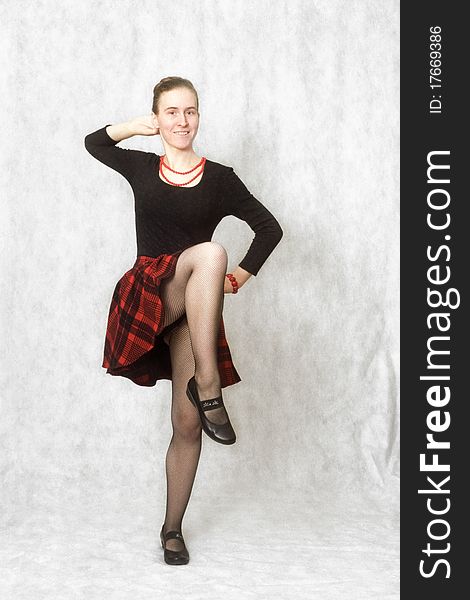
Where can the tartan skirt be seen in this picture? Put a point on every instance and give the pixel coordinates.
(134, 345)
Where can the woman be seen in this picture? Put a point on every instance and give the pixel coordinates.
(165, 319)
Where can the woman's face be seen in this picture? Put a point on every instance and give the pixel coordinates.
(178, 113)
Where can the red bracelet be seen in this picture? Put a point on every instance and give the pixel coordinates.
(233, 281)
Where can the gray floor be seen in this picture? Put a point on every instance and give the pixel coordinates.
(240, 548)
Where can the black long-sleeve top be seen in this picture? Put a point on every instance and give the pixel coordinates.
(169, 218)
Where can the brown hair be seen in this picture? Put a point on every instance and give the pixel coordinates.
(170, 83)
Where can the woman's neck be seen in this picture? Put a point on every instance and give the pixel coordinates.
(181, 160)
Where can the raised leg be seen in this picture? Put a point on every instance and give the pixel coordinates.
(197, 289)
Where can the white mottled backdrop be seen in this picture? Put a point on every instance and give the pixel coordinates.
(301, 97)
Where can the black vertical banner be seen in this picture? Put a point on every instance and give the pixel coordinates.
(435, 358)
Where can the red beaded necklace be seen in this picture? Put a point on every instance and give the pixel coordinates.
(201, 164)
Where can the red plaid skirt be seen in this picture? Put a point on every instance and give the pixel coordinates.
(134, 345)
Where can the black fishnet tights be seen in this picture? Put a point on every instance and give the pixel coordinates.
(196, 291)
(185, 446)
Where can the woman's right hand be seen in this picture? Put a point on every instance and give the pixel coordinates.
(143, 125)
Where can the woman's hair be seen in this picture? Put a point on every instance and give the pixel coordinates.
(170, 83)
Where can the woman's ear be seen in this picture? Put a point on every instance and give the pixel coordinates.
(155, 119)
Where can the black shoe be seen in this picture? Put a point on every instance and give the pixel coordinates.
(174, 557)
(219, 432)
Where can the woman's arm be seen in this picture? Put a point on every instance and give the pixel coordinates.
(240, 275)
(120, 132)
(238, 201)
(138, 126)
(102, 144)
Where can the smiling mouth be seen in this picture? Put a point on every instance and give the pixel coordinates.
(181, 133)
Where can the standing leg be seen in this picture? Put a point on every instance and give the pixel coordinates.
(197, 288)
(185, 446)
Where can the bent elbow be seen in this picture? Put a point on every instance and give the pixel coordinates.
(87, 143)
(278, 232)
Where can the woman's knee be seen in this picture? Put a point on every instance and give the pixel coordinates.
(202, 254)
(211, 253)
(214, 247)
(186, 426)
